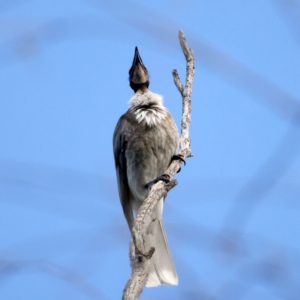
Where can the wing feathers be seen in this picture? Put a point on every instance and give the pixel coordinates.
(119, 144)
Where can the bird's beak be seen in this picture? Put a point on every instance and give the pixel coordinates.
(137, 58)
(138, 73)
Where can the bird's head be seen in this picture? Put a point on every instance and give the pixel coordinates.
(138, 73)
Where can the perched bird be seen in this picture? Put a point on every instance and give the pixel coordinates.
(145, 141)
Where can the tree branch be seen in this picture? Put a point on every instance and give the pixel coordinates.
(139, 257)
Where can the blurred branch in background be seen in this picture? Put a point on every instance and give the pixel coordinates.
(290, 11)
(249, 270)
(10, 268)
(61, 189)
(278, 163)
(26, 38)
(282, 157)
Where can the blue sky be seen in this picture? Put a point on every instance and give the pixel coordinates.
(233, 220)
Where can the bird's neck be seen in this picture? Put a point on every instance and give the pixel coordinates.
(139, 86)
(147, 107)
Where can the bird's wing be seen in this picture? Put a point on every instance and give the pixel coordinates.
(119, 144)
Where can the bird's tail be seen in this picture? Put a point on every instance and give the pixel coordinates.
(162, 270)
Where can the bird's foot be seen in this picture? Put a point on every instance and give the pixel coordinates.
(146, 255)
(178, 157)
(164, 177)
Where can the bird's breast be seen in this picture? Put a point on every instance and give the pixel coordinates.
(149, 114)
(148, 153)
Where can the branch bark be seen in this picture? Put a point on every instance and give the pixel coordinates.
(139, 258)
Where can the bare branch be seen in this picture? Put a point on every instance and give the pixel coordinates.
(177, 82)
(186, 97)
(140, 269)
(139, 257)
(184, 46)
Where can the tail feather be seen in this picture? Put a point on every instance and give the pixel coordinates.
(162, 269)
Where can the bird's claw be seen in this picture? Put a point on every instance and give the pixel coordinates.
(146, 255)
(164, 177)
(178, 157)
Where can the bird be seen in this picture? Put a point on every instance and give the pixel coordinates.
(145, 141)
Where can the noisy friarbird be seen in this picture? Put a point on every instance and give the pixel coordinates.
(145, 141)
